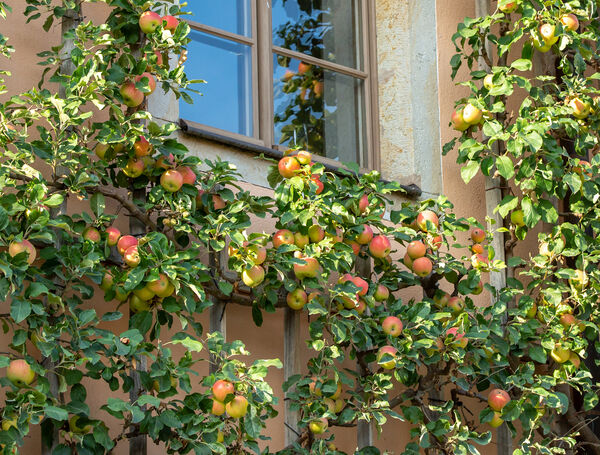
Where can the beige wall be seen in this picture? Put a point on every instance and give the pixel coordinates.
(406, 127)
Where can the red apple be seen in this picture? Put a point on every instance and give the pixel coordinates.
(316, 179)
(92, 234)
(159, 286)
(134, 167)
(477, 235)
(237, 407)
(253, 276)
(362, 284)
(436, 242)
(171, 181)
(548, 33)
(408, 262)
(15, 248)
(288, 76)
(581, 109)
(380, 246)
(149, 21)
(355, 246)
(363, 204)
(257, 253)
(165, 162)
(301, 240)
(297, 299)
(390, 364)
(283, 237)
(381, 293)
(570, 22)
(422, 266)
(221, 389)
(151, 81)
(472, 115)
(309, 269)
(170, 23)
(20, 373)
(497, 399)
(218, 408)
(141, 147)
(459, 337)
(132, 256)
(107, 282)
(508, 6)
(392, 326)
(113, 235)
(303, 68)
(132, 97)
(567, 320)
(456, 304)
(218, 202)
(288, 166)
(416, 249)
(458, 122)
(477, 248)
(304, 157)
(316, 233)
(424, 217)
(126, 242)
(189, 177)
(365, 236)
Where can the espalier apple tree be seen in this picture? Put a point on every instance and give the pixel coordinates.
(76, 163)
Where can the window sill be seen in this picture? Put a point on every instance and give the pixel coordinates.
(411, 191)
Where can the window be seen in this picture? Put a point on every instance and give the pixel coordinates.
(287, 74)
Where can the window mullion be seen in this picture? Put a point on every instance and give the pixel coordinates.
(264, 71)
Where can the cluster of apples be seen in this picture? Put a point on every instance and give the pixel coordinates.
(149, 21)
(545, 36)
(334, 403)
(416, 251)
(497, 399)
(305, 70)
(236, 408)
(292, 165)
(466, 117)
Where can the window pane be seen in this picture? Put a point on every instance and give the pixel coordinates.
(326, 29)
(229, 15)
(226, 100)
(319, 110)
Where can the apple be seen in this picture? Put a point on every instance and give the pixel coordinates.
(158, 286)
(137, 305)
(218, 202)
(301, 240)
(581, 109)
(488, 81)
(221, 389)
(539, 43)
(422, 266)
(316, 179)
(365, 236)
(408, 262)
(126, 242)
(101, 150)
(92, 234)
(547, 32)
(297, 299)
(362, 284)
(253, 276)
(496, 420)
(257, 253)
(497, 399)
(283, 237)
(170, 289)
(288, 166)
(132, 97)
(456, 304)
(288, 76)
(363, 204)
(171, 180)
(390, 350)
(309, 269)
(567, 320)
(237, 407)
(416, 249)
(151, 82)
(149, 21)
(318, 88)
(436, 242)
(441, 298)
(458, 122)
(517, 217)
(459, 338)
(478, 289)
(477, 248)
(531, 312)
(477, 235)
(337, 393)
(316, 233)
(314, 387)
(304, 157)
(380, 246)
(165, 162)
(121, 295)
(25, 245)
(113, 235)
(575, 360)
(570, 22)
(508, 6)
(560, 354)
(107, 281)
(74, 428)
(144, 293)
(303, 68)
(318, 426)
(392, 326)
(424, 217)
(355, 246)
(218, 408)
(20, 373)
(472, 115)
(170, 23)
(141, 147)
(189, 177)
(381, 293)
(134, 167)
(479, 260)
(132, 256)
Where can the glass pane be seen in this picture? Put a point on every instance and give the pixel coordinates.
(229, 15)
(319, 110)
(225, 101)
(326, 29)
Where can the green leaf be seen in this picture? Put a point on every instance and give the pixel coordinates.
(590, 401)
(505, 167)
(538, 354)
(522, 64)
(55, 413)
(190, 344)
(20, 310)
(97, 204)
(468, 171)
(55, 200)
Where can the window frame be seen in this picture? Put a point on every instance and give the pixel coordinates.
(263, 50)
